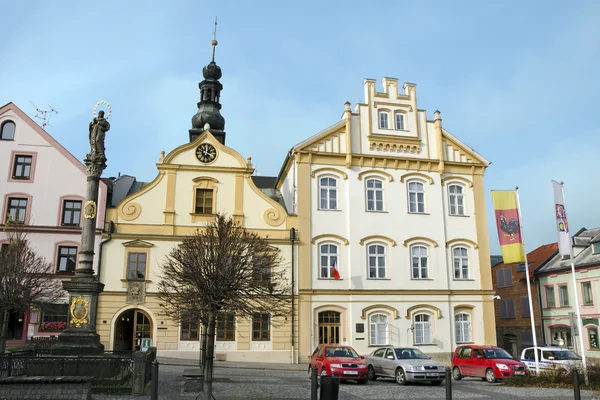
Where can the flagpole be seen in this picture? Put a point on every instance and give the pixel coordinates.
(535, 347)
(579, 321)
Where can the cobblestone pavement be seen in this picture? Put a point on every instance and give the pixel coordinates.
(242, 383)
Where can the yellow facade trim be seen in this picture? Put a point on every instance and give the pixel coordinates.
(138, 244)
(417, 175)
(395, 292)
(410, 310)
(205, 178)
(205, 136)
(377, 237)
(337, 128)
(366, 310)
(420, 239)
(449, 243)
(156, 233)
(464, 306)
(457, 178)
(273, 216)
(324, 170)
(375, 172)
(330, 235)
(129, 210)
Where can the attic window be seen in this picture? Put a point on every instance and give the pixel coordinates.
(596, 247)
(7, 131)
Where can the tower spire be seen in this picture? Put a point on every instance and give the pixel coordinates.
(214, 41)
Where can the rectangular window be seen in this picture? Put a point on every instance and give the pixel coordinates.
(504, 277)
(457, 200)
(374, 195)
(54, 317)
(586, 289)
(67, 259)
(261, 327)
(507, 308)
(328, 193)
(261, 270)
(383, 120)
(204, 201)
(563, 292)
(189, 330)
(461, 263)
(136, 266)
(525, 307)
(596, 247)
(71, 212)
(399, 122)
(22, 167)
(376, 261)
(329, 260)
(226, 327)
(550, 302)
(17, 209)
(416, 197)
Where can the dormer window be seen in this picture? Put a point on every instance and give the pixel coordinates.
(384, 120)
(399, 122)
(7, 131)
(596, 247)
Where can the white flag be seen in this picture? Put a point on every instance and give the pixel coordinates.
(562, 226)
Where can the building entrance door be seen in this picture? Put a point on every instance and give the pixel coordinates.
(329, 327)
(131, 327)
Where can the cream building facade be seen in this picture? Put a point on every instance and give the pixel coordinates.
(193, 182)
(397, 204)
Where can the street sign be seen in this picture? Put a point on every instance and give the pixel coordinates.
(574, 324)
(146, 343)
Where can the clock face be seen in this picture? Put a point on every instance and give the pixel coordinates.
(206, 153)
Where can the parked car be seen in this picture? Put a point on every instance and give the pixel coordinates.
(342, 361)
(486, 362)
(551, 359)
(405, 365)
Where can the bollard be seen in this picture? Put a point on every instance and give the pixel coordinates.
(313, 382)
(576, 384)
(330, 387)
(154, 384)
(448, 384)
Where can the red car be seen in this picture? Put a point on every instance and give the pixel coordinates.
(344, 361)
(489, 363)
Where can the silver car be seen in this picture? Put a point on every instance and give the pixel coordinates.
(405, 365)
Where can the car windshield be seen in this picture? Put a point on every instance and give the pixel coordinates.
(340, 352)
(408, 354)
(561, 355)
(496, 353)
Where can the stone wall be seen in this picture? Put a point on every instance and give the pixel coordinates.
(46, 388)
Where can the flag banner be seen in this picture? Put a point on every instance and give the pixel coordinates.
(336, 272)
(509, 226)
(562, 226)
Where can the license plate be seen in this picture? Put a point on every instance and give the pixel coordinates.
(434, 375)
(350, 372)
(519, 372)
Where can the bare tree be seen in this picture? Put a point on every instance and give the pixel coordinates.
(26, 279)
(223, 268)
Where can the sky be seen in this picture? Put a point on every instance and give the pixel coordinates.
(516, 80)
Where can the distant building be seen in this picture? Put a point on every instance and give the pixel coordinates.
(43, 187)
(513, 322)
(557, 298)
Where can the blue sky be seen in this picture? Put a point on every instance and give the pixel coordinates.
(515, 80)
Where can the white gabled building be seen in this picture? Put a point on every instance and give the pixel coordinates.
(398, 203)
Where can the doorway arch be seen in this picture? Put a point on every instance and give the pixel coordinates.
(129, 328)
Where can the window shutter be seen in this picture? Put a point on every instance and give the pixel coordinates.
(502, 308)
(507, 276)
(499, 278)
(510, 308)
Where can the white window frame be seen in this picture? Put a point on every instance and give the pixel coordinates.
(420, 262)
(463, 263)
(384, 121)
(330, 258)
(463, 327)
(402, 126)
(416, 193)
(329, 190)
(375, 191)
(375, 330)
(459, 207)
(425, 326)
(377, 258)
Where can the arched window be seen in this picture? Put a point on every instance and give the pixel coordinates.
(416, 197)
(328, 193)
(374, 194)
(399, 121)
(384, 122)
(456, 200)
(329, 258)
(419, 262)
(379, 329)
(422, 329)
(593, 338)
(7, 130)
(460, 257)
(376, 261)
(462, 323)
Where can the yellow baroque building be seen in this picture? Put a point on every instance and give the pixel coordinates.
(145, 221)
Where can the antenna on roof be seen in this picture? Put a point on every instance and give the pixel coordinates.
(43, 114)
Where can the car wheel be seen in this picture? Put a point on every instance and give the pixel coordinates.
(456, 374)
(490, 376)
(436, 382)
(372, 375)
(400, 377)
(363, 381)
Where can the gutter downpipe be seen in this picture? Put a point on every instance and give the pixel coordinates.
(293, 239)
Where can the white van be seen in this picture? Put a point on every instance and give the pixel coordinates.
(551, 359)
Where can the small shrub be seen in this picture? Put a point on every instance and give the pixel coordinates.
(558, 379)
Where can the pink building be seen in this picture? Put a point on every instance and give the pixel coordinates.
(43, 186)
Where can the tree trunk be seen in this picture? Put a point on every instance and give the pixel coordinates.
(4, 330)
(210, 352)
(203, 337)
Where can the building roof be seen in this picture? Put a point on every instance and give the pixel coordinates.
(121, 187)
(264, 182)
(495, 260)
(583, 250)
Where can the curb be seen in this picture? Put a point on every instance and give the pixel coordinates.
(233, 366)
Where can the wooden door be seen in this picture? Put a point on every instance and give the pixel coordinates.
(329, 327)
(142, 329)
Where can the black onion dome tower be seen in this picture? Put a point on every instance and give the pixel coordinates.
(209, 116)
